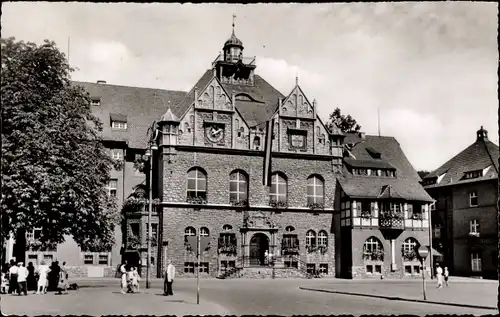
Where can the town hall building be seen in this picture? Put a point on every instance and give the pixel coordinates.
(334, 204)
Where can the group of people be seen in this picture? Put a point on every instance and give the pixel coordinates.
(130, 278)
(16, 278)
(442, 275)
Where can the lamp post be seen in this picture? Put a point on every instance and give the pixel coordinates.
(149, 154)
(423, 252)
(431, 260)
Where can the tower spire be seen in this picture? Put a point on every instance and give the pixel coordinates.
(234, 18)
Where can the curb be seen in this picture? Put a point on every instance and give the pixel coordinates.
(397, 298)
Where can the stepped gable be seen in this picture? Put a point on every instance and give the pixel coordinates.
(478, 156)
(140, 106)
(405, 184)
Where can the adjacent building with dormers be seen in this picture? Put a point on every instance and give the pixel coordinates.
(338, 205)
(464, 223)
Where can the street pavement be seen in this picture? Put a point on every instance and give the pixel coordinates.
(237, 297)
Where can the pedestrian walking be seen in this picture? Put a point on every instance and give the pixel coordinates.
(446, 274)
(169, 279)
(43, 273)
(62, 284)
(123, 271)
(31, 281)
(22, 275)
(135, 279)
(12, 277)
(439, 275)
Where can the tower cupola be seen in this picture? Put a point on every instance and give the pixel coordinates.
(233, 48)
(482, 134)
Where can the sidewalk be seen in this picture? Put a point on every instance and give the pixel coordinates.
(109, 301)
(461, 292)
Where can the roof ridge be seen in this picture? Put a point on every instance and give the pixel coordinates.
(127, 86)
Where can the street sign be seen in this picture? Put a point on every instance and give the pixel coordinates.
(423, 252)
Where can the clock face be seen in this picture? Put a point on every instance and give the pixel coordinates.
(214, 133)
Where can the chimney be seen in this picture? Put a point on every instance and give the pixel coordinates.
(482, 134)
(101, 81)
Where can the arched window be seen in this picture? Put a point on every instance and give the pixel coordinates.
(409, 249)
(256, 142)
(197, 183)
(322, 238)
(315, 190)
(310, 238)
(278, 188)
(227, 227)
(190, 231)
(186, 127)
(289, 229)
(373, 249)
(204, 232)
(238, 186)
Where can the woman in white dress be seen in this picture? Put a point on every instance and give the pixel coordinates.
(43, 271)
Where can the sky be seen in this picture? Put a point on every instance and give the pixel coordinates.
(428, 68)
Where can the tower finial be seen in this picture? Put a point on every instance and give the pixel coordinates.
(234, 18)
(296, 79)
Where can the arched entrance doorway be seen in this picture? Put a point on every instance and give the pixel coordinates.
(259, 244)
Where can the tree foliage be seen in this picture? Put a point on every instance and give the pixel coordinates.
(346, 123)
(55, 168)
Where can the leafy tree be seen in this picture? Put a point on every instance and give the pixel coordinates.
(54, 165)
(345, 123)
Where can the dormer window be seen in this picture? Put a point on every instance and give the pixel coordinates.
(119, 125)
(96, 101)
(118, 121)
(473, 174)
(430, 181)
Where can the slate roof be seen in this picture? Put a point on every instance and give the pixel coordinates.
(406, 183)
(138, 105)
(477, 156)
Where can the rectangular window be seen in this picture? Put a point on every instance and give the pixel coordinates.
(188, 267)
(378, 269)
(410, 211)
(154, 230)
(311, 268)
(416, 269)
(103, 259)
(113, 187)
(476, 262)
(88, 259)
(116, 154)
(95, 102)
(135, 229)
(323, 268)
(119, 125)
(473, 199)
(473, 226)
(291, 263)
(407, 269)
(204, 267)
(33, 258)
(369, 269)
